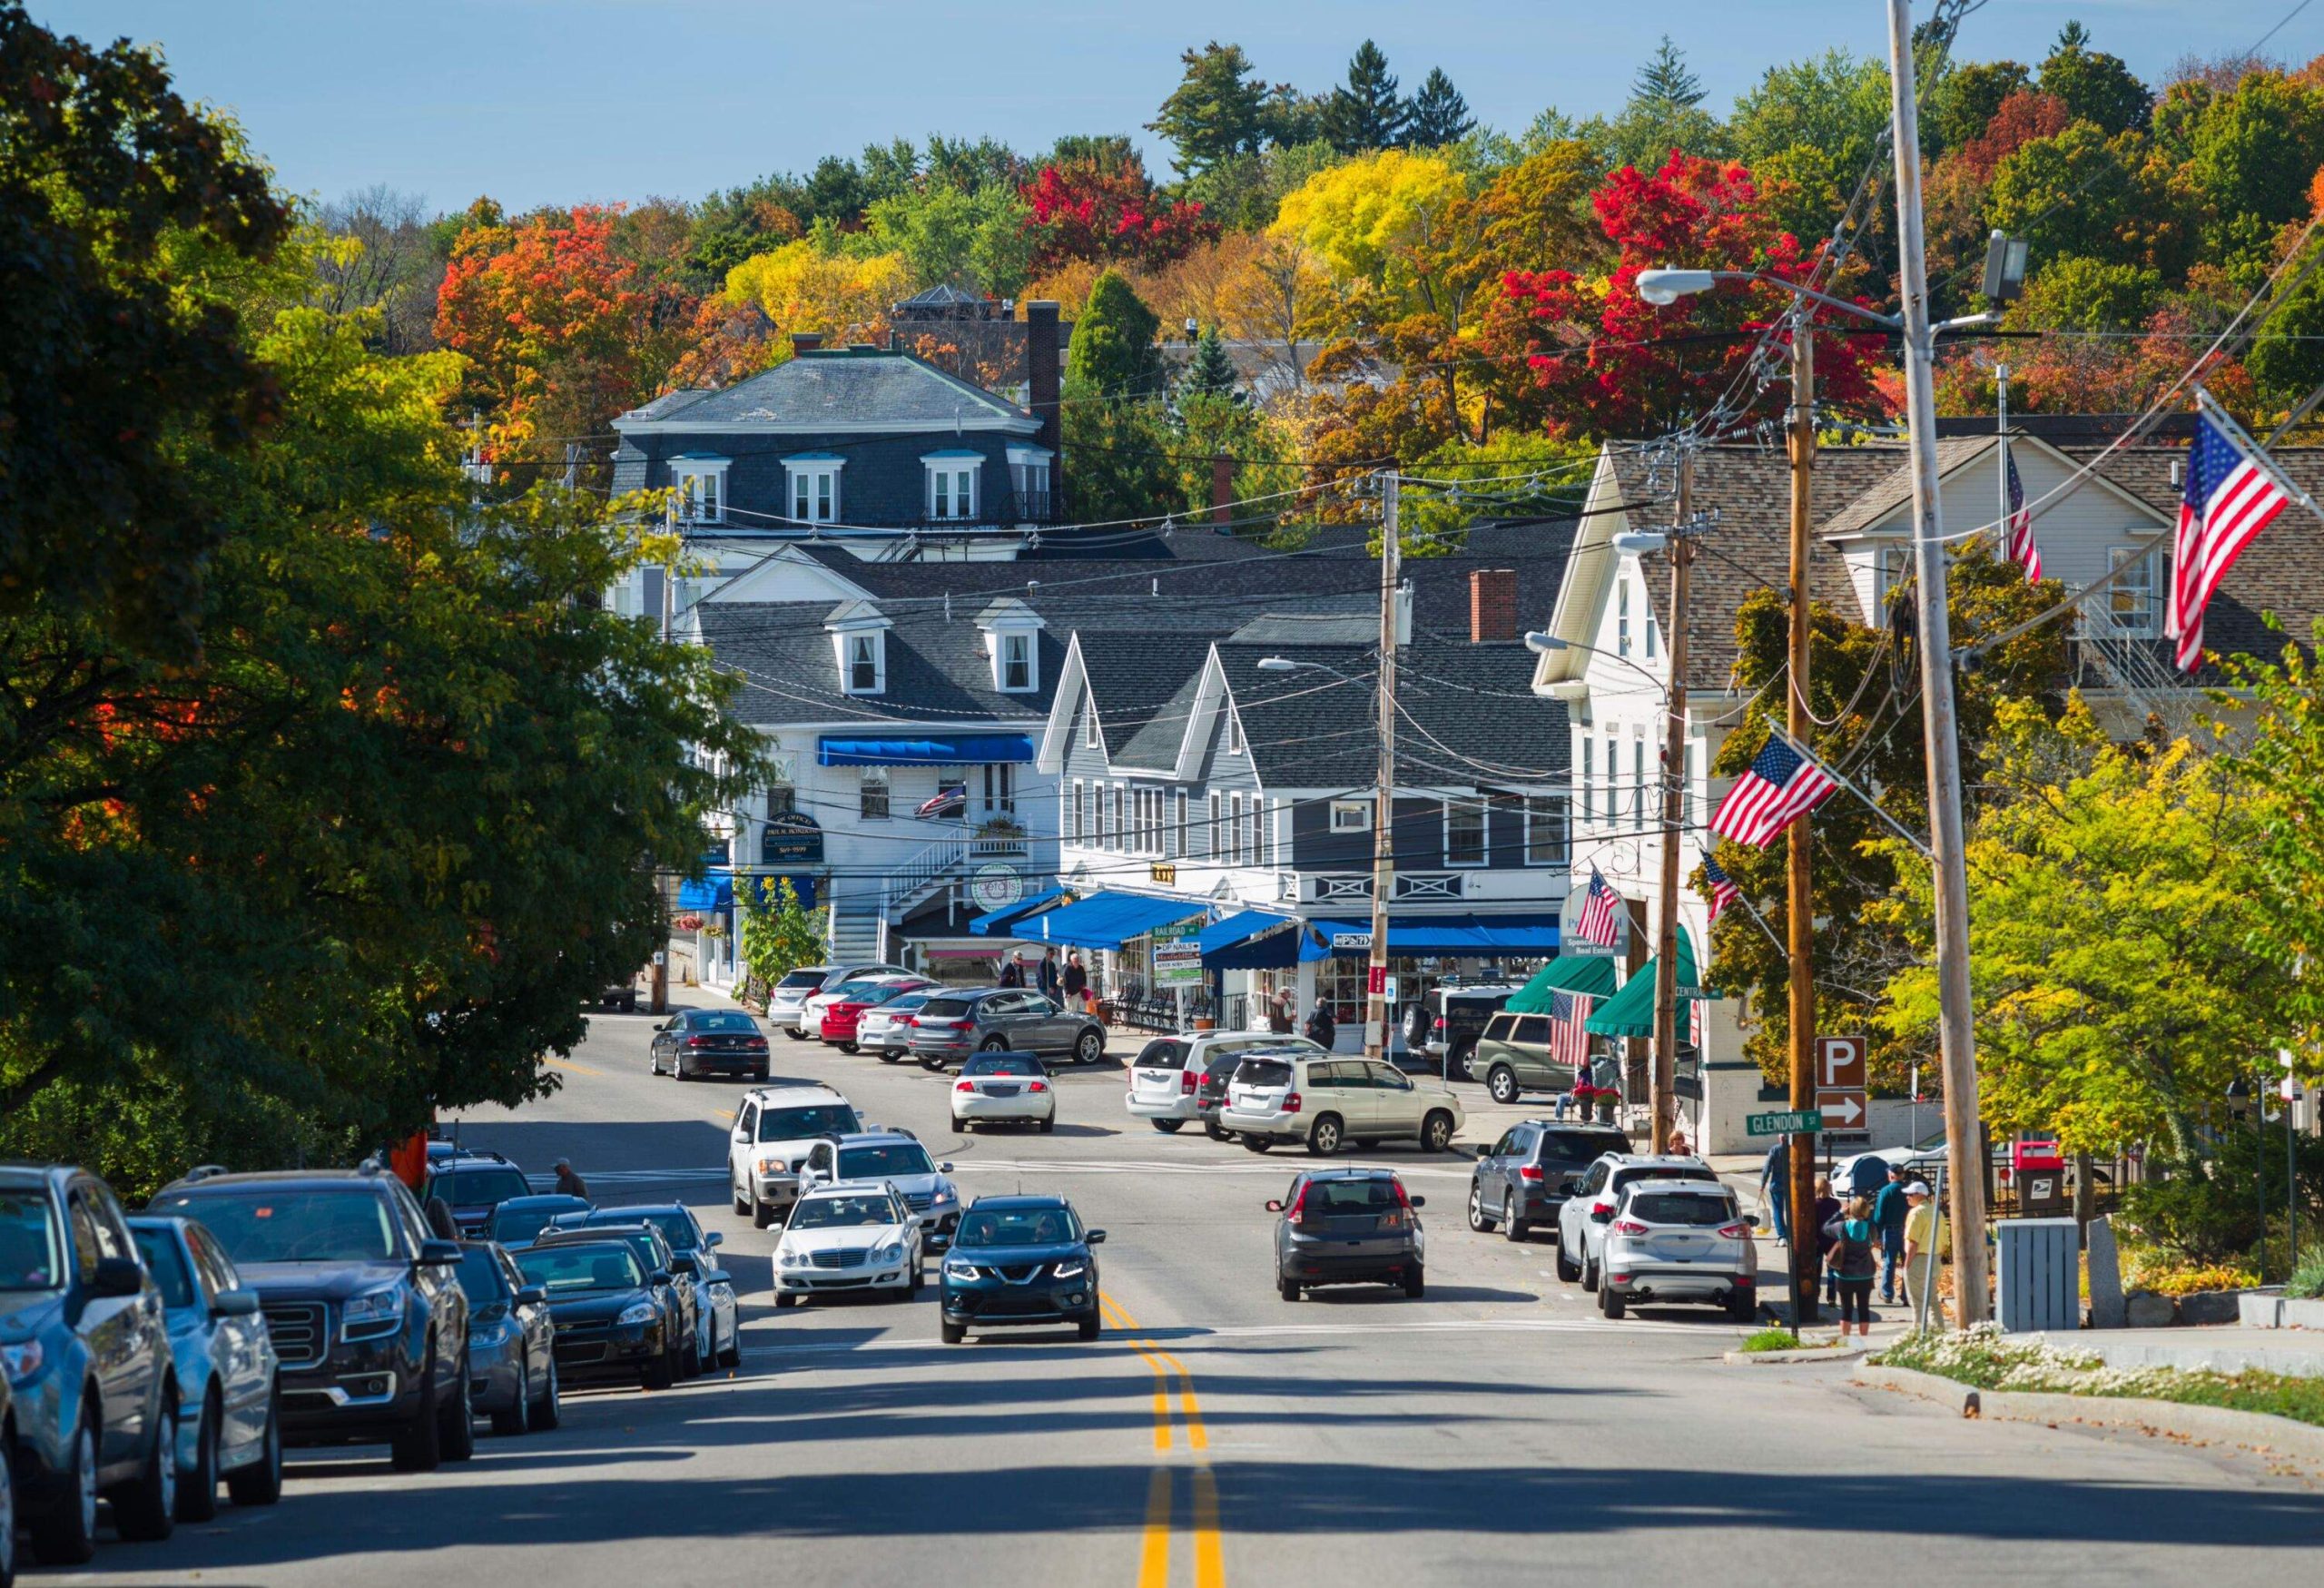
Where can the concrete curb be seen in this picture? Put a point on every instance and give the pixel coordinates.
(1803, 1353)
(2256, 1431)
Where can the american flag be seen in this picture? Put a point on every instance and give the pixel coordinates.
(1782, 782)
(947, 801)
(2230, 498)
(1599, 923)
(1569, 1043)
(1723, 891)
(2017, 535)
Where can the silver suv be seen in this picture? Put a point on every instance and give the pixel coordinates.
(1014, 1019)
(1165, 1078)
(1590, 1206)
(1328, 1102)
(1679, 1240)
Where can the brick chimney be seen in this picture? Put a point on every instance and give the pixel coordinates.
(806, 342)
(1492, 605)
(1222, 491)
(1042, 373)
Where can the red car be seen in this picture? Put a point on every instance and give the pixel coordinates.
(841, 1017)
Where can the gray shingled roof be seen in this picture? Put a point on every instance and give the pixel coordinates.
(828, 388)
(1136, 678)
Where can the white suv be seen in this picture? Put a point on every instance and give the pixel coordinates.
(1679, 1240)
(775, 1129)
(1165, 1079)
(1589, 1206)
(1328, 1102)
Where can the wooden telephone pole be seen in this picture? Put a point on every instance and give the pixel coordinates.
(1383, 803)
(1799, 902)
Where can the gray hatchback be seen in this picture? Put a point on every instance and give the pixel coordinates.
(952, 1025)
(1348, 1226)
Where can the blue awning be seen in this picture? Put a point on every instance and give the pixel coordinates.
(714, 893)
(1518, 935)
(995, 922)
(1108, 921)
(1250, 939)
(953, 750)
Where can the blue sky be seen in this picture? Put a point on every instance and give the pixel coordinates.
(535, 101)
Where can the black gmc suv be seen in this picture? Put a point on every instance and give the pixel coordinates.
(365, 1307)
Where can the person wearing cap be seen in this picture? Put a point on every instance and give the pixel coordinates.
(569, 1184)
(1888, 1211)
(1923, 1240)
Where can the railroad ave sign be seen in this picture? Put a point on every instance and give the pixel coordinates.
(1790, 1123)
(1840, 1082)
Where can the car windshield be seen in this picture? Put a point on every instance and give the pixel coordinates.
(1002, 1227)
(1623, 1177)
(511, 1224)
(1003, 1064)
(1688, 1208)
(803, 979)
(573, 1270)
(468, 1187)
(864, 991)
(722, 1020)
(847, 1212)
(877, 1163)
(797, 1124)
(1582, 1145)
(160, 1249)
(675, 1228)
(293, 1226)
(1263, 1072)
(32, 1255)
(947, 1006)
(480, 1278)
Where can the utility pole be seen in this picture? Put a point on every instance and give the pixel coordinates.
(1964, 1153)
(1662, 1089)
(1799, 898)
(1383, 802)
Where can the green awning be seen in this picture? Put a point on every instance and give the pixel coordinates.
(1630, 1012)
(1591, 975)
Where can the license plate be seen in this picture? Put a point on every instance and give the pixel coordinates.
(1002, 1091)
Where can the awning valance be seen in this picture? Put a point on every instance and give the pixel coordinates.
(1517, 935)
(1108, 921)
(714, 892)
(951, 750)
(1630, 1012)
(996, 922)
(1591, 975)
(1251, 940)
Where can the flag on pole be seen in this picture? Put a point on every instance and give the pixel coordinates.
(2017, 535)
(1723, 891)
(2230, 498)
(1600, 921)
(947, 801)
(1569, 1043)
(1783, 781)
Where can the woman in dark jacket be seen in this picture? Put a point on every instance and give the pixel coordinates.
(1827, 1209)
(1849, 1258)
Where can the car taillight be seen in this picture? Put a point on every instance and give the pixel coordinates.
(756, 1042)
(966, 1086)
(908, 1019)
(1629, 1226)
(1746, 1279)
(1529, 1172)
(1298, 1209)
(1036, 1085)
(964, 1025)
(1404, 1199)
(1735, 1232)
(1291, 1102)
(1187, 1080)
(1438, 1024)
(697, 1041)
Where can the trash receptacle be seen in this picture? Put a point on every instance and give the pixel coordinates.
(2037, 1275)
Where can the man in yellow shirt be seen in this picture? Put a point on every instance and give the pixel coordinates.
(1923, 1240)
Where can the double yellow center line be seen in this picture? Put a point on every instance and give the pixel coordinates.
(1172, 1379)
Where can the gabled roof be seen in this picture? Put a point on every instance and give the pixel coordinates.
(844, 389)
(1894, 492)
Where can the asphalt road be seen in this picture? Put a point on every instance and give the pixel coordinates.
(1498, 1431)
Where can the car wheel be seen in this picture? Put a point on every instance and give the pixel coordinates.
(198, 1489)
(1415, 1282)
(678, 1067)
(261, 1483)
(1478, 1219)
(1215, 1134)
(1048, 1126)
(516, 1416)
(1436, 1132)
(1501, 1083)
(761, 1073)
(1089, 1047)
(1324, 1135)
(549, 1410)
(1610, 1301)
(1089, 1327)
(1288, 1288)
(732, 1357)
(781, 1300)
(662, 1372)
(992, 1045)
(933, 1066)
(690, 1360)
(1589, 1274)
(145, 1508)
(960, 1126)
(793, 1032)
(459, 1418)
(1458, 1064)
(66, 1535)
(887, 1056)
(653, 1060)
(1257, 1143)
(742, 1200)
(761, 1213)
(629, 1004)
(1567, 1269)
(1168, 1126)
(952, 1332)
(919, 1278)
(1742, 1308)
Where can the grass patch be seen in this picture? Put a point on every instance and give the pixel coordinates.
(1772, 1340)
(1983, 1359)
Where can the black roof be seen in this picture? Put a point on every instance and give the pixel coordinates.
(1003, 1204)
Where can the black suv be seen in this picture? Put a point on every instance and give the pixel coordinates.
(472, 1184)
(1522, 1181)
(366, 1309)
(1445, 1022)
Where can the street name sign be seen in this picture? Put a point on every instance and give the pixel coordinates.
(1792, 1122)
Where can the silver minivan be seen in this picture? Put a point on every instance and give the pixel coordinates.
(1327, 1101)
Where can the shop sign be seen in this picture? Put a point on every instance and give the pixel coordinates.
(996, 886)
(1178, 956)
(1167, 875)
(791, 837)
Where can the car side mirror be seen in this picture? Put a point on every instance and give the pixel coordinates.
(658, 1277)
(234, 1304)
(1275, 1204)
(680, 1263)
(715, 1237)
(1419, 1201)
(1096, 1238)
(440, 1253)
(117, 1277)
(718, 1277)
(1568, 1184)
(945, 1168)
(532, 1296)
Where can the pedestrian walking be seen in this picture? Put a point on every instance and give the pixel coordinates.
(1012, 972)
(1047, 974)
(1888, 1211)
(569, 1184)
(1077, 981)
(1924, 1239)
(1828, 1213)
(1848, 1260)
(1321, 1029)
(1774, 1187)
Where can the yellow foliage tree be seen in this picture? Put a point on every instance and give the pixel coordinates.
(1396, 223)
(800, 288)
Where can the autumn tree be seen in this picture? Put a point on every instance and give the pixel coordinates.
(1108, 213)
(802, 287)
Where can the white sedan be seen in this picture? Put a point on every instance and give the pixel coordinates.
(1010, 1087)
(854, 1235)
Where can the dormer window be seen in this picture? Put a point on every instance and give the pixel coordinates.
(1016, 662)
(1234, 733)
(951, 491)
(1011, 632)
(813, 491)
(859, 647)
(864, 663)
(699, 484)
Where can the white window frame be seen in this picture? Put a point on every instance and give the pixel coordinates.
(1622, 617)
(1613, 776)
(1235, 745)
(875, 791)
(1547, 810)
(858, 645)
(2124, 621)
(1121, 826)
(1214, 841)
(1637, 775)
(1650, 632)
(1234, 829)
(811, 489)
(1589, 772)
(1089, 726)
(1351, 816)
(701, 486)
(1173, 833)
(1091, 804)
(1016, 645)
(1482, 806)
(950, 486)
(1073, 817)
(1029, 472)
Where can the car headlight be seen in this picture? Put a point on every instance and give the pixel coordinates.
(954, 1270)
(943, 1195)
(23, 1361)
(375, 1312)
(893, 1252)
(636, 1312)
(1071, 1269)
(792, 1258)
(774, 1163)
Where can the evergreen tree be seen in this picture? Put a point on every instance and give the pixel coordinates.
(1368, 112)
(1210, 373)
(1217, 111)
(1117, 436)
(1440, 116)
(1113, 355)
(1666, 82)
(2096, 87)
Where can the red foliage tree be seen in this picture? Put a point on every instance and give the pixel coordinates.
(1606, 362)
(1110, 215)
(2023, 117)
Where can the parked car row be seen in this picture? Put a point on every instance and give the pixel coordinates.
(1266, 1090)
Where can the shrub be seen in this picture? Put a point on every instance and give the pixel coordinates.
(1772, 1340)
(2208, 1212)
(2306, 1284)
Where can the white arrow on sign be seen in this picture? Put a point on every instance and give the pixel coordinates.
(1840, 1107)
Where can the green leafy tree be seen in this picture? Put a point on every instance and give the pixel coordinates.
(2081, 193)
(1116, 437)
(2253, 155)
(2079, 293)
(982, 239)
(2282, 759)
(1806, 131)
(1665, 112)
(779, 934)
(2097, 88)
(1219, 109)
(1440, 116)
(1366, 112)
(1967, 97)
(1666, 80)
